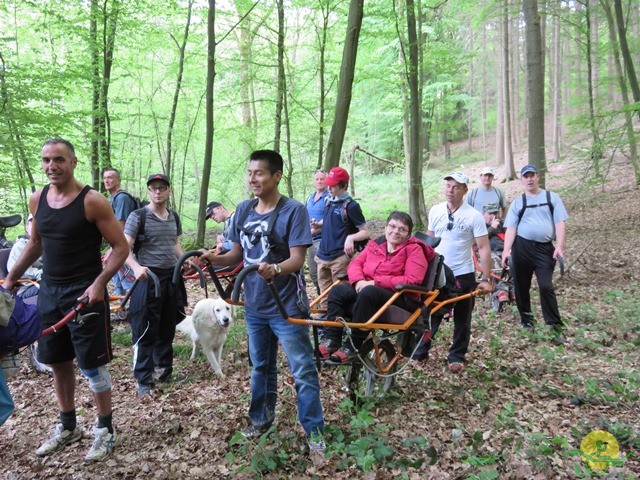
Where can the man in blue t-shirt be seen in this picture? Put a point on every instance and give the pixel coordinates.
(280, 256)
(529, 240)
(123, 204)
(315, 209)
(343, 224)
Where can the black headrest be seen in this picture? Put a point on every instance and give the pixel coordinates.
(433, 242)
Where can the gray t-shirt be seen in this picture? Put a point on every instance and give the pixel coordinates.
(536, 224)
(291, 229)
(479, 197)
(157, 247)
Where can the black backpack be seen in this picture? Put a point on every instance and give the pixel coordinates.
(281, 250)
(136, 201)
(547, 203)
(143, 220)
(344, 214)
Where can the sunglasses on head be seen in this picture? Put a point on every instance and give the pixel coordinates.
(320, 170)
(451, 220)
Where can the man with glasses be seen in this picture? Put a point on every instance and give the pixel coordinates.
(534, 221)
(155, 247)
(459, 225)
(315, 208)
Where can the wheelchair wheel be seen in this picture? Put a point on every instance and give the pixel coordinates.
(362, 380)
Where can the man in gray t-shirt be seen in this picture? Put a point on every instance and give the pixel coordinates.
(154, 319)
(486, 193)
(529, 240)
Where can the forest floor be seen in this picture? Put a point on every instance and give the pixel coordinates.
(519, 411)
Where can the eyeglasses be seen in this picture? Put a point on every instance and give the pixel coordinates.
(161, 188)
(451, 220)
(399, 228)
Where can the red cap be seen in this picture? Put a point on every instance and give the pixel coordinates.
(336, 175)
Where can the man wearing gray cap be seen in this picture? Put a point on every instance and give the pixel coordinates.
(459, 226)
(487, 193)
(534, 220)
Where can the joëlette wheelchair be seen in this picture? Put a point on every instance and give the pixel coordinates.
(394, 333)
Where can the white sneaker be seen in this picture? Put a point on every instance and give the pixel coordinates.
(317, 445)
(103, 444)
(61, 438)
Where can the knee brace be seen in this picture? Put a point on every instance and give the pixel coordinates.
(99, 379)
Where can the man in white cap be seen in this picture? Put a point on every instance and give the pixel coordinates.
(487, 193)
(459, 226)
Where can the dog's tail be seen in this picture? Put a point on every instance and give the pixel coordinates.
(186, 327)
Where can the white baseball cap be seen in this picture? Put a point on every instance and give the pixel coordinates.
(487, 171)
(458, 177)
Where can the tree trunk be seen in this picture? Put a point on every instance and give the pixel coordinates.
(626, 55)
(535, 85)
(281, 80)
(168, 167)
(557, 89)
(95, 95)
(596, 146)
(415, 166)
(509, 169)
(322, 46)
(499, 160)
(109, 38)
(209, 125)
(633, 148)
(345, 84)
(471, 94)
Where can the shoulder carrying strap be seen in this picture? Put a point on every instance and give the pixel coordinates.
(524, 206)
(472, 196)
(272, 219)
(140, 237)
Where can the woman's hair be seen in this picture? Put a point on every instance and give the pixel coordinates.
(403, 217)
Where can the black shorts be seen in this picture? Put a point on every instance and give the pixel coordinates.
(89, 342)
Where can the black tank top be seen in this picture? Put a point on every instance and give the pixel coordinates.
(70, 243)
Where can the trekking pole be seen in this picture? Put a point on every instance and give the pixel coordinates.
(156, 289)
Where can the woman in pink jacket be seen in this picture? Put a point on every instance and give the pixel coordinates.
(395, 259)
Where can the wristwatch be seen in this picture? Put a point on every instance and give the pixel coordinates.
(277, 269)
(485, 280)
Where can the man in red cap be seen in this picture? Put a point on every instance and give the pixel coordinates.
(343, 227)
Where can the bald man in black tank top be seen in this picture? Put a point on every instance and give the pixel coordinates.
(70, 221)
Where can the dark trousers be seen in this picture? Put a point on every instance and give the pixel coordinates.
(153, 327)
(528, 257)
(344, 302)
(461, 320)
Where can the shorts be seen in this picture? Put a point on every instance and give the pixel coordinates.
(89, 342)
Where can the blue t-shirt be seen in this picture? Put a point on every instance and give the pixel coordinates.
(291, 228)
(536, 224)
(335, 230)
(122, 205)
(315, 209)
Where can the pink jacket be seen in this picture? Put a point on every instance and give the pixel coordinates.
(407, 265)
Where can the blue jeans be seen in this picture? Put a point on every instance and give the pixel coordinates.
(122, 280)
(264, 334)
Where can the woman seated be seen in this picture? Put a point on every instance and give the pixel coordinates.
(395, 259)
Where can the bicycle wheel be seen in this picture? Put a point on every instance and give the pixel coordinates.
(370, 384)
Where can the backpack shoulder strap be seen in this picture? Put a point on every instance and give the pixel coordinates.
(500, 196)
(142, 220)
(524, 207)
(274, 214)
(472, 196)
(243, 218)
(550, 204)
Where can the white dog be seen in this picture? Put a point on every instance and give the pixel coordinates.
(209, 324)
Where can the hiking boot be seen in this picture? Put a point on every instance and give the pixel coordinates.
(317, 445)
(103, 444)
(559, 339)
(144, 394)
(170, 378)
(61, 438)
(327, 347)
(343, 356)
(251, 431)
(456, 367)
